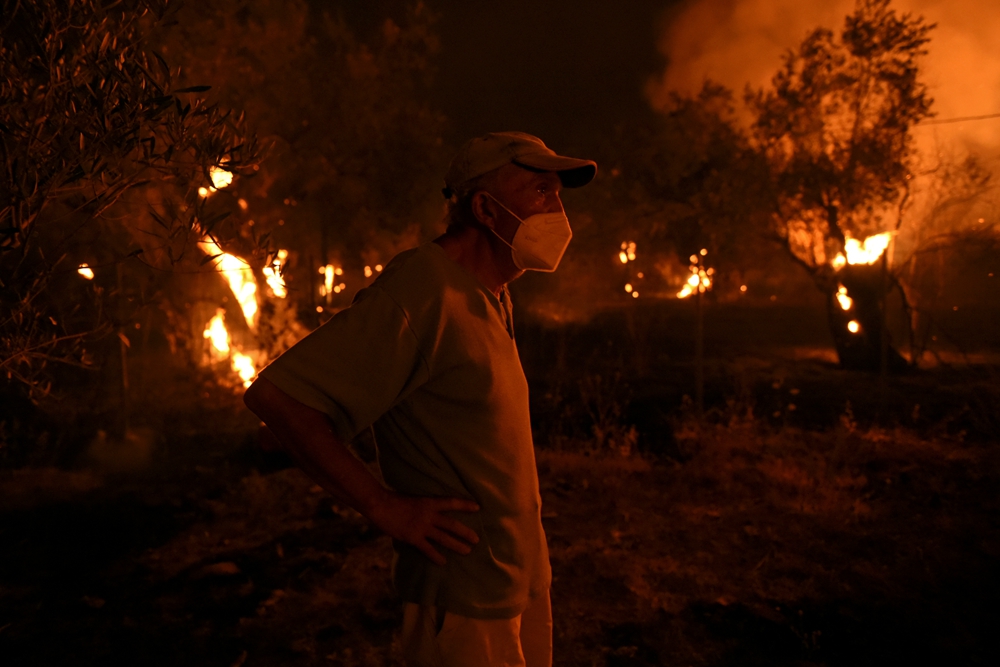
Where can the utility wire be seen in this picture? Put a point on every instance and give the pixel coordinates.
(960, 119)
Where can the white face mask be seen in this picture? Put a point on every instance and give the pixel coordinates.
(540, 241)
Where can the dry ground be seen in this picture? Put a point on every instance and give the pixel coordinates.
(764, 547)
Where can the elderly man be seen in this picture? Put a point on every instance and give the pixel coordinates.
(425, 356)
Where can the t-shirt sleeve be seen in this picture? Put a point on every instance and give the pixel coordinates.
(356, 366)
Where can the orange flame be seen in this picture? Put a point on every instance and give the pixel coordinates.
(239, 275)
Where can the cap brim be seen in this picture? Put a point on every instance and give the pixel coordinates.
(573, 172)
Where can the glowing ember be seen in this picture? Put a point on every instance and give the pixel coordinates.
(274, 277)
(368, 272)
(238, 273)
(628, 287)
(853, 326)
(700, 280)
(204, 192)
(743, 288)
(378, 268)
(217, 333)
(86, 271)
(845, 301)
(867, 251)
(243, 204)
(627, 253)
(635, 295)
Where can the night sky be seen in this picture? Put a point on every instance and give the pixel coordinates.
(566, 70)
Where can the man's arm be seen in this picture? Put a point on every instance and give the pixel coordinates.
(308, 437)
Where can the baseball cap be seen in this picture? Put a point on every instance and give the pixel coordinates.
(491, 151)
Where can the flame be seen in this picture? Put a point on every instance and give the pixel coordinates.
(273, 275)
(845, 301)
(217, 333)
(86, 271)
(243, 366)
(238, 273)
(867, 251)
(853, 326)
(699, 281)
(627, 253)
(330, 286)
(220, 177)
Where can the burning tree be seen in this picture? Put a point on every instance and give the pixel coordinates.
(836, 131)
(346, 115)
(91, 130)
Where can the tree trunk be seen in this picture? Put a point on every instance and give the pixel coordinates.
(861, 349)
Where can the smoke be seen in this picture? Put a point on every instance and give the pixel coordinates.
(740, 42)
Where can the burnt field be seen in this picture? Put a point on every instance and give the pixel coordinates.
(812, 516)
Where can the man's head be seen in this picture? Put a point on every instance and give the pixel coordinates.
(515, 166)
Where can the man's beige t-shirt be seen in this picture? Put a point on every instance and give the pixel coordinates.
(426, 356)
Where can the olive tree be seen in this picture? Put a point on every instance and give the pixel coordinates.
(90, 124)
(836, 129)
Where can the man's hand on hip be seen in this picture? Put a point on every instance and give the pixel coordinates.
(418, 521)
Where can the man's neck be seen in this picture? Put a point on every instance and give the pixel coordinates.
(482, 255)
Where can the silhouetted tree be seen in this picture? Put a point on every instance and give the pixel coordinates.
(90, 124)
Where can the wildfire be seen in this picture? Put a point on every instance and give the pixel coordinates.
(700, 280)
(273, 275)
(862, 252)
(239, 275)
(243, 366)
(220, 179)
(627, 253)
(218, 335)
(330, 286)
(845, 301)
(86, 271)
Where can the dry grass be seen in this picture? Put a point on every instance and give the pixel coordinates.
(777, 547)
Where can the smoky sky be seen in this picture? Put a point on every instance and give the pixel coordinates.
(570, 71)
(740, 42)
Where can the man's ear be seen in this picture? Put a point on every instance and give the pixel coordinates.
(485, 209)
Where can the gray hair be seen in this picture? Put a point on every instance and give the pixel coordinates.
(459, 213)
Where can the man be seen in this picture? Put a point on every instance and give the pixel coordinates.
(426, 357)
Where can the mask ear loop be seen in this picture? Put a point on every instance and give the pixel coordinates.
(509, 245)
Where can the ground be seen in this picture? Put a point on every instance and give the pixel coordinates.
(769, 547)
(811, 517)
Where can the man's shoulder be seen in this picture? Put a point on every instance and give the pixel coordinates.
(416, 276)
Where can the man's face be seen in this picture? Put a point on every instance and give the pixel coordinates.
(525, 193)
